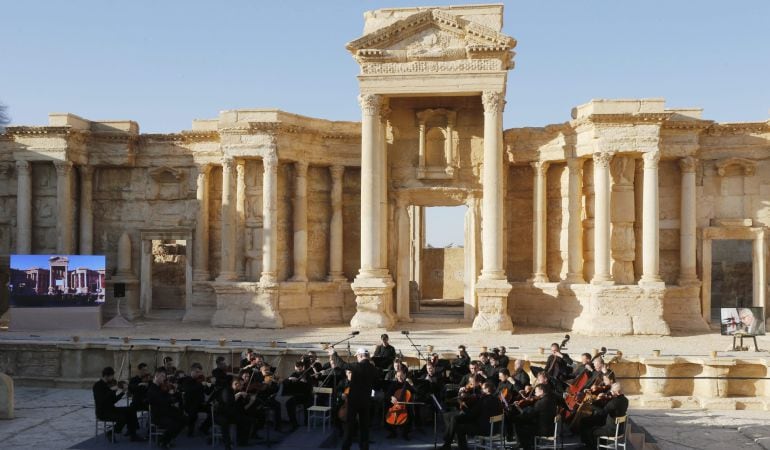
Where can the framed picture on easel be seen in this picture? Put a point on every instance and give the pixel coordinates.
(749, 320)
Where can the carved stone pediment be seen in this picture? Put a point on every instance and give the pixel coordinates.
(746, 166)
(433, 35)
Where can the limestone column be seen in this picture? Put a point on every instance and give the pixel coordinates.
(336, 245)
(201, 255)
(269, 219)
(402, 265)
(602, 273)
(650, 221)
(373, 286)
(687, 223)
(493, 287)
(64, 231)
(575, 224)
(24, 208)
(240, 218)
(86, 210)
(300, 221)
(227, 265)
(539, 238)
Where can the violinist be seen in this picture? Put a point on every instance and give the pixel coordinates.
(460, 365)
(398, 365)
(194, 389)
(507, 393)
(248, 358)
(137, 387)
(474, 421)
(602, 421)
(107, 391)
(384, 353)
(168, 364)
(229, 409)
(502, 358)
(495, 368)
(331, 375)
(538, 421)
(399, 415)
(164, 411)
(266, 391)
(520, 377)
(474, 369)
(297, 386)
(486, 365)
(220, 372)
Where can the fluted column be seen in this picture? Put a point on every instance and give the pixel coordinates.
(201, 255)
(300, 221)
(402, 265)
(240, 219)
(23, 207)
(575, 224)
(64, 231)
(539, 274)
(228, 229)
(650, 221)
(336, 245)
(602, 274)
(492, 179)
(492, 288)
(687, 223)
(270, 219)
(86, 210)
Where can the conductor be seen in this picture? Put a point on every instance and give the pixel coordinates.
(362, 382)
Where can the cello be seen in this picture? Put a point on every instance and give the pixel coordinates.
(574, 396)
(398, 414)
(342, 412)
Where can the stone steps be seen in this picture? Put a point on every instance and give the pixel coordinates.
(439, 317)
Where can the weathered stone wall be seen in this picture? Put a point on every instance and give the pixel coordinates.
(557, 207)
(670, 194)
(318, 221)
(442, 273)
(43, 208)
(351, 226)
(519, 223)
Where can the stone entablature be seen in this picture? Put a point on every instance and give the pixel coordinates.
(291, 220)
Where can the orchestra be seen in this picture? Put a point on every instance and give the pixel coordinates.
(381, 390)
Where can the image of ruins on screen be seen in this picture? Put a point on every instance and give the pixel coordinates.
(56, 280)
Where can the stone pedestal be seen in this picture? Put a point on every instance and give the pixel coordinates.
(714, 384)
(247, 305)
(374, 302)
(130, 306)
(620, 310)
(654, 385)
(492, 314)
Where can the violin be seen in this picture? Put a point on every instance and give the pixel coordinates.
(115, 385)
(526, 402)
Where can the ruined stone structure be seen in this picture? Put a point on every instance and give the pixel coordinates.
(602, 224)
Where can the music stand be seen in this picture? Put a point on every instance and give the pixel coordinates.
(437, 408)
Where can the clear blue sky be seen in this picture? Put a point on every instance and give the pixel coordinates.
(93, 262)
(165, 63)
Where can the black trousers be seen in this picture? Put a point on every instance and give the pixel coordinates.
(359, 419)
(172, 422)
(464, 430)
(123, 416)
(242, 428)
(291, 407)
(453, 420)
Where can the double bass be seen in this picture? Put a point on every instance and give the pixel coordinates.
(342, 412)
(575, 396)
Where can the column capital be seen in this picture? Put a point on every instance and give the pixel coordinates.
(227, 164)
(204, 170)
(493, 101)
(270, 160)
(575, 163)
(23, 166)
(370, 104)
(86, 171)
(337, 171)
(602, 159)
(301, 168)
(651, 160)
(63, 167)
(541, 167)
(687, 164)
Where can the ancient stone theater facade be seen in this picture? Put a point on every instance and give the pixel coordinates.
(629, 218)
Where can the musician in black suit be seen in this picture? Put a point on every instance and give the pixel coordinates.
(602, 421)
(502, 358)
(137, 387)
(459, 366)
(384, 354)
(538, 421)
(519, 378)
(475, 421)
(558, 365)
(165, 413)
(107, 392)
(364, 377)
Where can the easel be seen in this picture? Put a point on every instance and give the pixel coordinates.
(741, 336)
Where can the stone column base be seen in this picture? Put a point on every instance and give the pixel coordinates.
(492, 312)
(246, 305)
(374, 302)
(622, 310)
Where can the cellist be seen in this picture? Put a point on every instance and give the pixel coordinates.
(399, 414)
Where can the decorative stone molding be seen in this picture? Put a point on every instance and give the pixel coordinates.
(63, 167)
(493, 101)
(166, 175)
(749, 167)
(444, 121)
(370, 104)
(540, 167)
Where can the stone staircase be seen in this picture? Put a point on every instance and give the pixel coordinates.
(440, 311)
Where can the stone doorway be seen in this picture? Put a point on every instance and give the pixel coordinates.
(166, 272)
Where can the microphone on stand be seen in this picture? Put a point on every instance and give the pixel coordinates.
(355, 333)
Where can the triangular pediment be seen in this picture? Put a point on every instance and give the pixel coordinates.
(432, 34)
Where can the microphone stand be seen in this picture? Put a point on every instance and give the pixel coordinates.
(419, 354)
(347, 339)
(129, 374)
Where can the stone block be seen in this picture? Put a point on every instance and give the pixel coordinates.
(6, 397)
